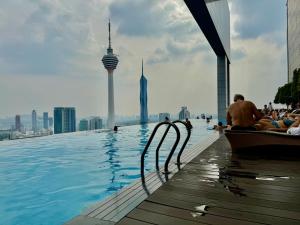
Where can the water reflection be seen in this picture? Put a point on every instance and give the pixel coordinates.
(143, 134)
(112, 153)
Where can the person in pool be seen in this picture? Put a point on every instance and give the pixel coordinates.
(188, 124)
(242, 115)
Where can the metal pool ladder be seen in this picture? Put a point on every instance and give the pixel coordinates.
(174, 126)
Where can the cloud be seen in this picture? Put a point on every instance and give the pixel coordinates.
(138, 17)
(257, 18)
(260, 72)
(144, 18)
(237, 54)
(51, 37)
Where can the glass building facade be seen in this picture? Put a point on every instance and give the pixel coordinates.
(293, 36)
(34, 121)
(45, 120)
(64, 120)
(83, 125)
(143, 98)
(96, 123)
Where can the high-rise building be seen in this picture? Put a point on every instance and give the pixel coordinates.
(163, 116)
(83, 125)
(184, 113)
(45, 120)
(64, 119)
(95, 123)
(34, 121)
(50, 121)
(293, 34)
(110, 62)
(143, 97)
(18, 123)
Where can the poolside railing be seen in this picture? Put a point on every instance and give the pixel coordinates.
(174, 126)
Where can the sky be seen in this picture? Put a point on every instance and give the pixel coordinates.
(51, 51)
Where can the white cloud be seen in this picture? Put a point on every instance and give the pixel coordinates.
(261, 72)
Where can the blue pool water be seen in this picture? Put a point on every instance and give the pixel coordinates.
(49, 180)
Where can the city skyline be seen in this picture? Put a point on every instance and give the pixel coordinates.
(59, 46)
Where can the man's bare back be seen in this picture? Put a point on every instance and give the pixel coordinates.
(243, 114)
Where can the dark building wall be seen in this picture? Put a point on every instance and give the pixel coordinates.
(64, 120)
(58, 120)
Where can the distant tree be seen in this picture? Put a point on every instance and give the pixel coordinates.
(289, 93)
(277, 96)
(283, 95)
(295, 89)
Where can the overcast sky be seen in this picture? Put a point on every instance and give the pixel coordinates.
(51, 50)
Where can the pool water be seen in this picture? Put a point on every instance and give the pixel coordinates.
(49, 180)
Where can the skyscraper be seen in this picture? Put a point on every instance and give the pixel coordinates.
(34, 121)
(293, 34)
(18, 123)
(45, 120)
(110, 62)
(83, 125)
(95, 123)
(184, 113)
(50, 121)
(64, 119)
(143, 97)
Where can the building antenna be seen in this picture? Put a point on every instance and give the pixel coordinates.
(109, 40)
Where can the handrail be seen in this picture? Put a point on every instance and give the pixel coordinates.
(173, 148)
(185, 142)
(150, 140)
(158, 147)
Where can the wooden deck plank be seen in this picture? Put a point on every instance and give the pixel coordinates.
(172, 192)
(215, 215)
(250, 186)
(187, 204)
(159, 219)
(129, 221)
(239, 195)
(275, 196)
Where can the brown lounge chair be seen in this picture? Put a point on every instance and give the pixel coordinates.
(262, 141)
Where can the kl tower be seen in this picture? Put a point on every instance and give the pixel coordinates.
(110, 62)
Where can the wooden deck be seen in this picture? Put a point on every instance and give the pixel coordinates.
(223, 189)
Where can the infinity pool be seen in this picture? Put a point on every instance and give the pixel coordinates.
(49, 180)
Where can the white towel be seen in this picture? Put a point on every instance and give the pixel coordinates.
(294, 131)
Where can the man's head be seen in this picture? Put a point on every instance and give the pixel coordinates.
(238, 97)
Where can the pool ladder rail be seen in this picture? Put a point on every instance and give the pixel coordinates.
(174, 126)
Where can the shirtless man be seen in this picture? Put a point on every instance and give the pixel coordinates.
(242, 115)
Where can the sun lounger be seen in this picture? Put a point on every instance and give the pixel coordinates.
(262, 141)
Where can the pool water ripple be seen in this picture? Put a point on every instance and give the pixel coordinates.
(49, 180)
